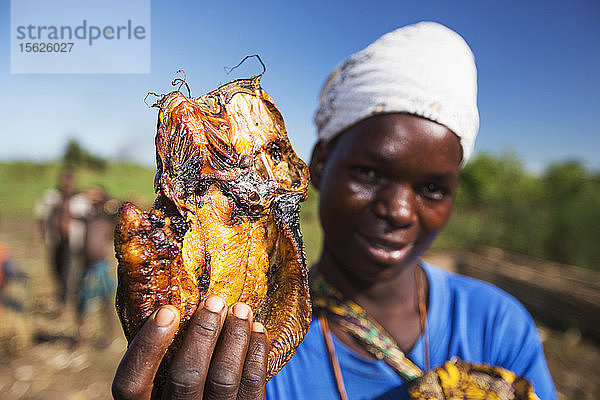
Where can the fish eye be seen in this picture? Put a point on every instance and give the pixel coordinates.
(274, 151)
(254, 197)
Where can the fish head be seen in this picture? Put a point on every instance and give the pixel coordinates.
(233, 137)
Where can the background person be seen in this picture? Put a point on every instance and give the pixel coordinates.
(62, 231)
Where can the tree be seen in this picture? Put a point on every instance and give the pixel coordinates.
(75, 156)
(573, 201)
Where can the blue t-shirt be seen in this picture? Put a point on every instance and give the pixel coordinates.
(467, 318)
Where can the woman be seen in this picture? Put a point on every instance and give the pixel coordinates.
(396, 122)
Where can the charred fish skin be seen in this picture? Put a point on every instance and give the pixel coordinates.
(226, 219)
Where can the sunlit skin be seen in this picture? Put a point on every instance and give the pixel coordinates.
(387, 186)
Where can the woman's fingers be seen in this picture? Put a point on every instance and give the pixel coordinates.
(254, 374)
(190, 365)
(135, 374)
(223, 379)
(223, 355)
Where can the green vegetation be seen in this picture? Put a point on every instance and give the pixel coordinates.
(311, 227)
(555, 216)
(75, 157)
(23, 184)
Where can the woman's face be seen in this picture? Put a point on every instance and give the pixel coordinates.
(386, 190)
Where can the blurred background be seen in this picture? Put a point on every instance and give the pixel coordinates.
(527, 216)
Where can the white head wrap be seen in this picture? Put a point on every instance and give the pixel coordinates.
(424, 69)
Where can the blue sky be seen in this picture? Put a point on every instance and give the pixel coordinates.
(538, 64)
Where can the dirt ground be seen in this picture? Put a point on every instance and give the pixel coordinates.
(41, 359)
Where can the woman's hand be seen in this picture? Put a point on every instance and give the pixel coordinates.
(223, 355)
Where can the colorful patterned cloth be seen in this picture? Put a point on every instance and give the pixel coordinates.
(460, 380)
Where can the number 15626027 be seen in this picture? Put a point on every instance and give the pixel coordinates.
(61, 47)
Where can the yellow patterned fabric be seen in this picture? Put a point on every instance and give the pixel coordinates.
(460, 380)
